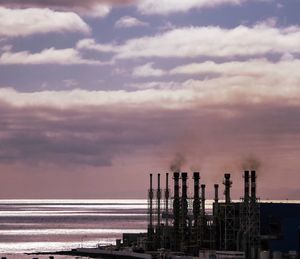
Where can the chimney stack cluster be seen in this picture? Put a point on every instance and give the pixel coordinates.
(186, 223)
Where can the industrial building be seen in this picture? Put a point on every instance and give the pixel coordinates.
(250, 229)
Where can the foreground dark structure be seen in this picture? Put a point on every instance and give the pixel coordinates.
(233, 229)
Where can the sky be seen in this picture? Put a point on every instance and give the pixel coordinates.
(95, 95)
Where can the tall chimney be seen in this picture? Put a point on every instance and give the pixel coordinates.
(196, 202)
(184, 203)
(253, 186)
(167, 196)
(176, 211)
(216, 193)
(158, 195)
(246, 186)
(203, 199)
(227, 184)
(151, 204)
(216, 217)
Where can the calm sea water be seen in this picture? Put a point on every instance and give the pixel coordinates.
(28, 226)
(51, 225)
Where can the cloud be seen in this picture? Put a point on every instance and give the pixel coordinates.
(147, 70)
(82, 136)
(279, 5)
(255, 68)
(81, 98)
(90, 44)
(165, 7)
(155, 85)
(100, 8)
(236, 82)
(254, 78)
(70, 83)
(96, 8)
(25, 22)
(128, 22)
(47, 56)
(121, 138)
(192, 42)
(48, 139)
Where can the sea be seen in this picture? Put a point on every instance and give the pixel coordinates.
(28, 226)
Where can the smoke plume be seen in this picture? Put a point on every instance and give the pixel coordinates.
(177, 162)
(251, 163)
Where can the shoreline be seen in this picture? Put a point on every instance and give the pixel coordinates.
(97, 253)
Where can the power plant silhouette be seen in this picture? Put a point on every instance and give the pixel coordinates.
(231, 230)
(183, 225)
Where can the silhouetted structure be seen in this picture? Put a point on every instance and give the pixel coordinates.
(233, 226)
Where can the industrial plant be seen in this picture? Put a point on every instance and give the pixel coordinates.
(181, 224)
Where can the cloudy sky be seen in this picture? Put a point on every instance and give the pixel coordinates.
(97, 94)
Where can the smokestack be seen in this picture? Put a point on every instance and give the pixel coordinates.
(184, 185)
(227, 184)
(176, 210)
(253, 186)
(151, 204)
(216, 193)
(246, 186)
(158, 195)
(203, 199)
(196, 202)
(184, 203)
(167, 196)
(176, 185)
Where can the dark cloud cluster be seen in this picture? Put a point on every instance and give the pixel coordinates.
(94, 136)
(207, 139)
(75, 5)
(80, 136)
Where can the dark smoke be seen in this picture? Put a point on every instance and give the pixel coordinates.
(251, 163)
(177, 162)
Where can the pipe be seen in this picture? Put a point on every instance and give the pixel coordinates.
(227, 184)
(167, 196)
(184, 203)
(158, 196)
(176, 186)
(196, 202)
(203, 199)
(253, 186)
(176, 210)
(151, 204)
(216, 217)
(246, 186)
(216, 193)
